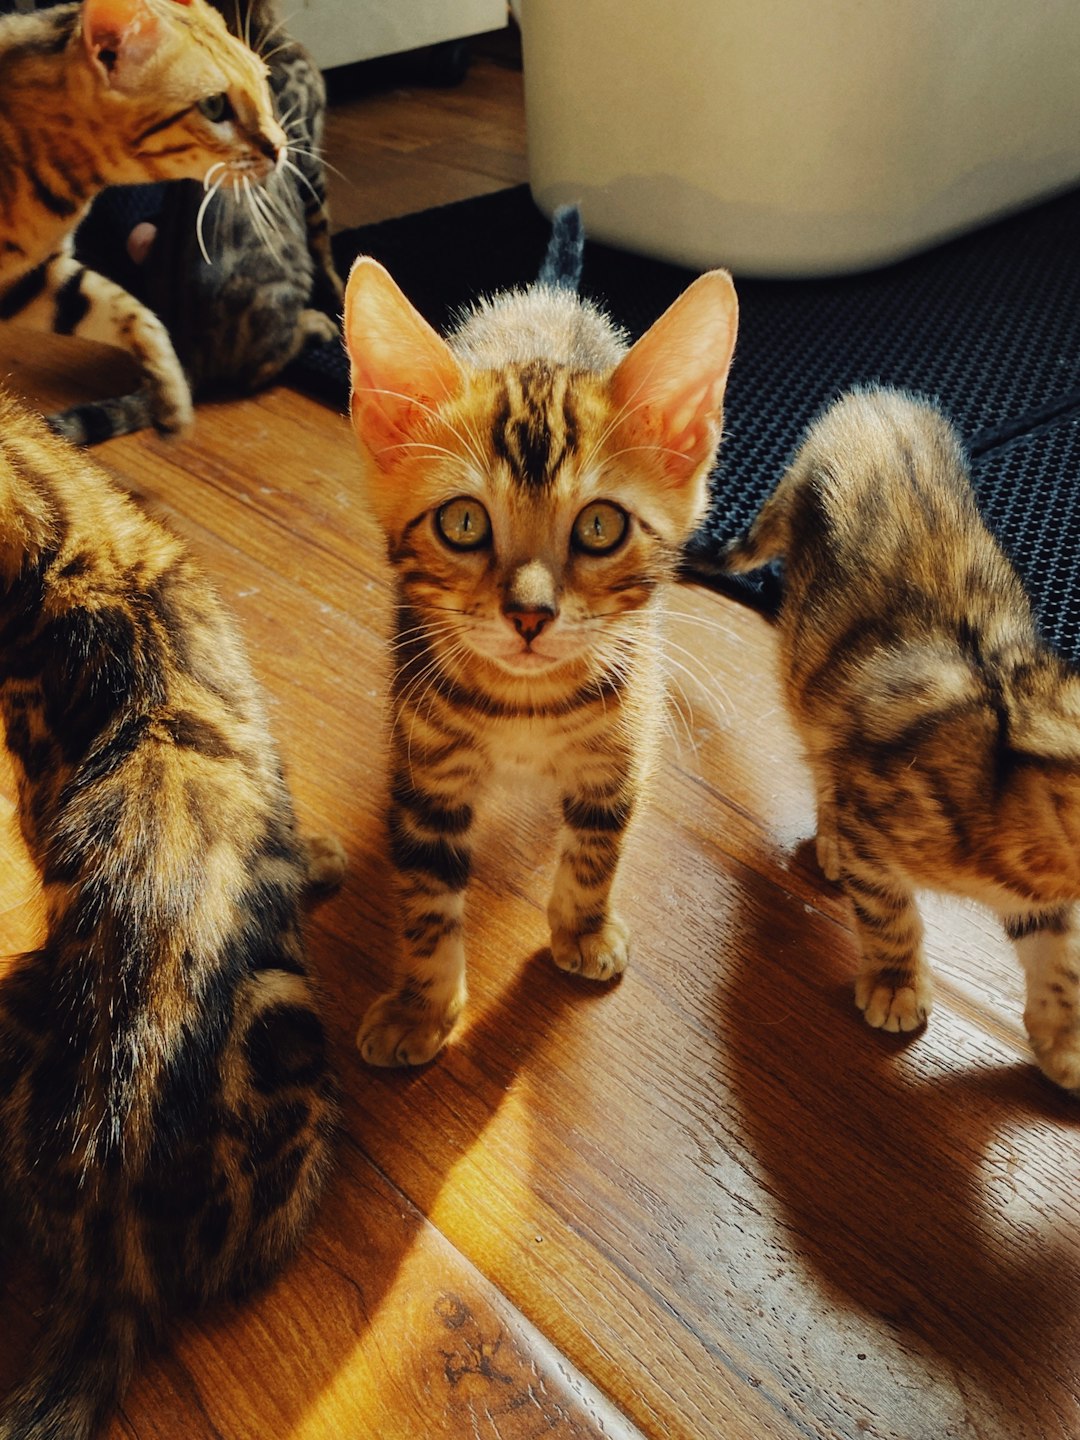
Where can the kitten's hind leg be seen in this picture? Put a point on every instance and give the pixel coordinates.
(893, 987)
(324, 863)
(827, 840)
(1048, 945)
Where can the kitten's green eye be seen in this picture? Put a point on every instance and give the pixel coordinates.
(463, 524)
(216, 108)
(599, 528)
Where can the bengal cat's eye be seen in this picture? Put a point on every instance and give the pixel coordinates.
(599, 528)
(216, 108)
(463, 524)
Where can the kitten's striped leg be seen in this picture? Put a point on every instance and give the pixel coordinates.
(1048, 944)
(587, 937)
(430, 846)
(893, 988)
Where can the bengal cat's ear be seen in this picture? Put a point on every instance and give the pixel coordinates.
(119, 36)
(670, 386)
(402, 369)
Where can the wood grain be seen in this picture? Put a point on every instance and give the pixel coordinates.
(703, 1203)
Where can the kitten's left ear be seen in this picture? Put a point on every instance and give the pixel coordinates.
(119, 36)
(670, 386)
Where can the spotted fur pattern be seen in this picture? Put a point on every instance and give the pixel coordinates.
(166, 1106)
(116, 92)
(944, 738)
(535, 480)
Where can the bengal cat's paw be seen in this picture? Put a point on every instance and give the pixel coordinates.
(172, 414)
(898, 1003)
(399, 1032)
(1057, 1052)
(595, 954)
(319, 328)
(324, 863)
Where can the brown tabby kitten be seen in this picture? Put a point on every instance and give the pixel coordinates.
(535, 481)
(166, 1108)
(944, 738)
(116, 92)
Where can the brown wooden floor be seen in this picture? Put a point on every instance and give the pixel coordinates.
(705, 1202)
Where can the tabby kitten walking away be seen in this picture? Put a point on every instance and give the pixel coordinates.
(116, 92)
(944, 738)
(166, 1107)
(535, 481)
(241, 305)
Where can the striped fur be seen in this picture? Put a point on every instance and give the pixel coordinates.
(944, 738)
(166, 1107)
(532, 643)
(109, 93)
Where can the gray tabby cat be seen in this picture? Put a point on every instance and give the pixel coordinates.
(241, 309)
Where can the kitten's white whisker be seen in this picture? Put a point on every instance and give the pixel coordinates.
(286, 164)
(208, 178)
(203, 204)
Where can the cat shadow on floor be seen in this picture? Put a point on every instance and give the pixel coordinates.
(924, 1187)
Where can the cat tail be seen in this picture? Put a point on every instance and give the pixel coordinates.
(99, 420)
(565, 257)
(80, 1368)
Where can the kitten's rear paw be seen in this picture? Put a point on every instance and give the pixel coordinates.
(596, 954)
(1057, 1053)
(402, 1032)
(894, 1001)
(827, 849)
(324, 862)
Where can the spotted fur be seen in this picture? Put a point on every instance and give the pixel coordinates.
(535, 480)
(166, 1106)
(109, 93)
(944, 738)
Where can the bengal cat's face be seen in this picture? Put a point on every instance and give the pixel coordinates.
(523, 538)
(191, 100)
(532, 511)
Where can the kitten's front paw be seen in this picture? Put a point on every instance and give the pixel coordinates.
(894, 1001)
(595, 954)
(398, 1031)
(1057, 1051)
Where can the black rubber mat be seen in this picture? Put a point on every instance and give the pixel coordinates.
(987, 325)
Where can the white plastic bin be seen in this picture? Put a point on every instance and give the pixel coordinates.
(798, 137)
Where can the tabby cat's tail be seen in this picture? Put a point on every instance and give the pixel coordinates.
(565, 257)
(98, 420)
(80, 1370)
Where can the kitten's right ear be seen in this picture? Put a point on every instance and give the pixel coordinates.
(402, 370)
(119, 36)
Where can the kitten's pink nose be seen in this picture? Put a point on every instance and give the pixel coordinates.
(529, 623)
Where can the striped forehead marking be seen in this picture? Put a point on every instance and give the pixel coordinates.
(535, 427)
